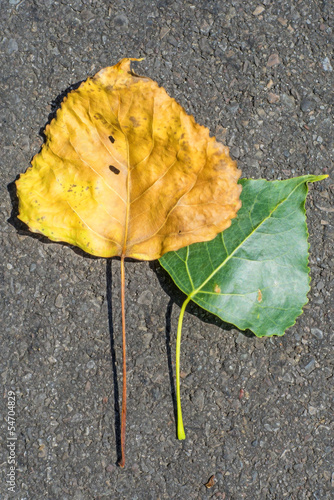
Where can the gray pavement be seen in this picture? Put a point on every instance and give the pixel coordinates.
(258, 413)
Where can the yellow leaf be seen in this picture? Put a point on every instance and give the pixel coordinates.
(125, 171)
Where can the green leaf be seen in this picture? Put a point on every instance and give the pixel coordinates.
(255, 273)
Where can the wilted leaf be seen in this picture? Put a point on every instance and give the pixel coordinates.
(125, 171)
(254, 274)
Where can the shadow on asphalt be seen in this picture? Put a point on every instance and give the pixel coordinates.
(169, 360)
(56, 104)
(117, 418)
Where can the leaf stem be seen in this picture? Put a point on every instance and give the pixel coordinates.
(180, 428)
(121, 463)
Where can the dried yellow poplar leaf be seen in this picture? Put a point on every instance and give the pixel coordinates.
(125, 171)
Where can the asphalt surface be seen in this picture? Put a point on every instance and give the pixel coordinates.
(258, 413)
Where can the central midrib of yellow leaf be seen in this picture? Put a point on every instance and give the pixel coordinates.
(128, 187)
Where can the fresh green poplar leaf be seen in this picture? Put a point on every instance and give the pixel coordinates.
(255, 273)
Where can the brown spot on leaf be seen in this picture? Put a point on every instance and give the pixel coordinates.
(217, 289)
(111, 139)
(134, 121)
(114, 169)
(259, 296)
(100, 118)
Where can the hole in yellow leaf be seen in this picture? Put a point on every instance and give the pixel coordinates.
(114, 169)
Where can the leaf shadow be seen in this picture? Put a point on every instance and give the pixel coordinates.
(56, 104)
(117, 413)
(168, 330)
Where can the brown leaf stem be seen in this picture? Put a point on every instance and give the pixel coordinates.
(121, 463)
